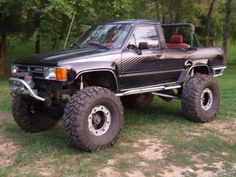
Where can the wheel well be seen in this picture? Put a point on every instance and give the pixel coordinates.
(105, 79)
(201, 70)
(192, 71)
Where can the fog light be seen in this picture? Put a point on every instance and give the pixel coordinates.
(14, 69)
(29, 80)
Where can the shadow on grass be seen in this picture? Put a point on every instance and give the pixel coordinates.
(159, 112)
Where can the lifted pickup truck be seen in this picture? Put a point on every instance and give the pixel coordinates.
(134, 60)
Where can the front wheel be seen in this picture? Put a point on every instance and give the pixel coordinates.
(201, 98)
(93, 119)
(30, 115)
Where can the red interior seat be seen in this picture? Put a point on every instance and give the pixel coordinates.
(177, 41)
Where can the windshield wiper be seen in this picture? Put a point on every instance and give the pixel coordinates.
(98, 45)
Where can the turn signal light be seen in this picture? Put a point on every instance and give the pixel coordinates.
(61, 74)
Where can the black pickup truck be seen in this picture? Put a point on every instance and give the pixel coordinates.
(126, 62)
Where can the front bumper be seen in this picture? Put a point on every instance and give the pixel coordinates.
(20, 86)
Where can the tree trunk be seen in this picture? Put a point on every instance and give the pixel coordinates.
(38, 37)
(226, 27)
(158, 10)
(3, 44)
(56, 43)
(209, 20)
(37, 44)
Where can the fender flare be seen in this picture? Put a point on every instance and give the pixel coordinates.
(100, 70)
(184, 74)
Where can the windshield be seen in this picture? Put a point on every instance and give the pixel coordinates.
(108, 36)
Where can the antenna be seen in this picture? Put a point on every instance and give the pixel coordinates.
(69, 31)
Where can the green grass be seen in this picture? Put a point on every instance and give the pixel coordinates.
(5, 101)
(232, 54)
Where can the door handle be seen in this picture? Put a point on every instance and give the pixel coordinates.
(159, 56)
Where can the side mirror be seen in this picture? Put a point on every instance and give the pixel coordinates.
(143, 45)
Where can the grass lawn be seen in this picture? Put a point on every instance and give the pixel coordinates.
(157, 141)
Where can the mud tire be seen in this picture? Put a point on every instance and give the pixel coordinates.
(78, 112)
(29, 114)
(196, 96)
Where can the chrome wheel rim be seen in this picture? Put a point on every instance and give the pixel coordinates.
(99, 120)
(206, 99)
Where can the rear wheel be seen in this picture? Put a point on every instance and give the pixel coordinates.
(93, 119)
(201, 98)
(30, 115)
(137, 101)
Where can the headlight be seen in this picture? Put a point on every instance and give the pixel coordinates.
(59, 73)
(50, 73)
(14, 69)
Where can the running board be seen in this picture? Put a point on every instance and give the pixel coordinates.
(147, 90)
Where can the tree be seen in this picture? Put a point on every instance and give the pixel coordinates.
(9, 24)
(3, 42)
(48, 20)
(35, 12)
(209, 20)
(226, 25)
(232, 30)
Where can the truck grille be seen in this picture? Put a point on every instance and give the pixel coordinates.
(36, 71)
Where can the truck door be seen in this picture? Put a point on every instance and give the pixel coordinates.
(144, 67)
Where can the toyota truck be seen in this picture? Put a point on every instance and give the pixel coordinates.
(119, 64)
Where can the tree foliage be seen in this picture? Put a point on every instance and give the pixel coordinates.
(50, 19)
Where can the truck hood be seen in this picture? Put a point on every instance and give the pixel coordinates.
(53, 58)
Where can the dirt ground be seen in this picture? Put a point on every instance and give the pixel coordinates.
(153, 149)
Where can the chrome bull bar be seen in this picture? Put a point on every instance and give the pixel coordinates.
(21, 86)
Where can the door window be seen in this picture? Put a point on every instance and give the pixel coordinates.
(145, 34)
